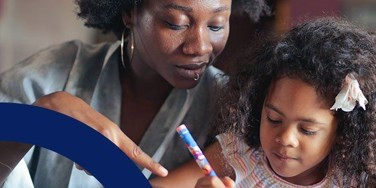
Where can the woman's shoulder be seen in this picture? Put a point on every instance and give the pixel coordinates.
(70, 50)
(62, 56)
(49, 69)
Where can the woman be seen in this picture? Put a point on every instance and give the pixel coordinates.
(143, 86)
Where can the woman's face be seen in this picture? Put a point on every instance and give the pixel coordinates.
(298, 131)
(177, 39)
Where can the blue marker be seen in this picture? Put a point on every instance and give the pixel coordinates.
(196, 152)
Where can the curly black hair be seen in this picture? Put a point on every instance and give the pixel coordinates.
(106, 15)
(321, 53)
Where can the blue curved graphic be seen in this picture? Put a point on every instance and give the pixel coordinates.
(72, 139)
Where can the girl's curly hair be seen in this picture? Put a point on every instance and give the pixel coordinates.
(106, 15)
(320, 52)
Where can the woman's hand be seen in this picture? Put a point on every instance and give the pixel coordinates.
(211, 181)
(76, 108)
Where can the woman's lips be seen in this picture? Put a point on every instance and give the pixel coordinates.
(193, 66)
(190, 71)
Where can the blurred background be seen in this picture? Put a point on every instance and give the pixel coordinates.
(27, 26)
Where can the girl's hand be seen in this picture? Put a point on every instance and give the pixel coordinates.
(210, 181)
(76, 108)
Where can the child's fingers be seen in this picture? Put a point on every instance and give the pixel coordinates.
(228, 182)
(211, 181)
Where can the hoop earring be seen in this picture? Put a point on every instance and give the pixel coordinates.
(132, 47)
(122, 47)
(197, 76)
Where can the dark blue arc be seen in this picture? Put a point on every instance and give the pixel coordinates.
(72, 139)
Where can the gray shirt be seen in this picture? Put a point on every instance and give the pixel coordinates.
(91, 72)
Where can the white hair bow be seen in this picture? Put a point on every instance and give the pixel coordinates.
(349, 95)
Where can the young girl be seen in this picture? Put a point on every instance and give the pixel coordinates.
(133, 91)
(302, 113)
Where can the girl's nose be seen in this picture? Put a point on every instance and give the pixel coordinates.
(287, 137)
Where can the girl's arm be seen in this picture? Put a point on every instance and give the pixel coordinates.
(187, 175)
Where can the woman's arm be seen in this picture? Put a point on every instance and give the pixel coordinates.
(187, 175)
(74, 107)
(10, 154)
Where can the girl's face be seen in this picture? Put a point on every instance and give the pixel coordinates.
(177, 39)
(297, 131)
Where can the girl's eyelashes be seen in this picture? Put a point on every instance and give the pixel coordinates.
(273, 121)
(308, 132)
(303, 130)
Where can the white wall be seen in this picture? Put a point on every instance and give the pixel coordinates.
(27, 26)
